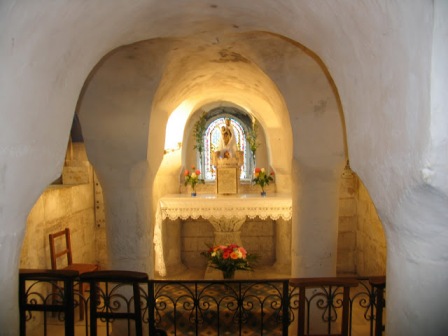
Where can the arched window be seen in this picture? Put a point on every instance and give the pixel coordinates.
(211, 140)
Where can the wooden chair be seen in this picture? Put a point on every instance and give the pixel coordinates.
(109, 301)
(62, 239)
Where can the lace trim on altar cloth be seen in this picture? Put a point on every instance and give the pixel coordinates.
(263, 213)
(235, 207)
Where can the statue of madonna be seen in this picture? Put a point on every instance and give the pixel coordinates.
(227, 151)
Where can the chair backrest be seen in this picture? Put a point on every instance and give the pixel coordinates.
(66, 249)
(107, 297)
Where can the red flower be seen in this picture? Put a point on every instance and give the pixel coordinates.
(193, 167)
(198, 172)
(229, 257)
(186, 172)
(257, 170)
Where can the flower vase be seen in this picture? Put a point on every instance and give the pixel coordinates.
(228, 274)
(263, 193)
(193, 193)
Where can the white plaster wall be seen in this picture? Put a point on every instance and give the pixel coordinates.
(114, 114)
(387, 59)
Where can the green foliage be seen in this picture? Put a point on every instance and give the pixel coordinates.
(192, 178)
(198, 133)
(252, 137)
(262, 178)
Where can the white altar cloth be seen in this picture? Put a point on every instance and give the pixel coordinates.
(216, 207)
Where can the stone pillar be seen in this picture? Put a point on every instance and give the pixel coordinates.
(227, 230)
(128, 229)
(315, 222)
(128, 219)
(283, 245)
(171, 235)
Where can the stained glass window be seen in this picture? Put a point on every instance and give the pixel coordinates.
(211, 141)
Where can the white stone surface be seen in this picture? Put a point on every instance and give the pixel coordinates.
(380, 78)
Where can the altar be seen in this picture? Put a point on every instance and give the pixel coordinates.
(227, 213)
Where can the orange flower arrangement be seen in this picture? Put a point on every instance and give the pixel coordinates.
(192, 178)
(262, 178)
(229, 258)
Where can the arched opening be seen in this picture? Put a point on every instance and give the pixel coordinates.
(351, 256)
(269, 109)
(347, 40)
(243, 125)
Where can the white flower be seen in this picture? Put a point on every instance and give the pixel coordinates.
(193, 175)
(262, 170)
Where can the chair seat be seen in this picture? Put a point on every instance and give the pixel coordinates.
(81, 268)
(59, 252)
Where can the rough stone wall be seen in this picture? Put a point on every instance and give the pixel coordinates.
(361, 240)
(370, 238)
(196, 236)
(68, 205)
(257, 236)
(100, 225)
(346, 263)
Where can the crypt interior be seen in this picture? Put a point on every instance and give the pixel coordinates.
(349, 232)
(75, 200)
(100, 107)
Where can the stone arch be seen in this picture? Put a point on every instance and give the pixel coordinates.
(290, 110)
(361, 52)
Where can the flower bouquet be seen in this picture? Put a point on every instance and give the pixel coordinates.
(262, 179)
(229, 258)
(192, 178)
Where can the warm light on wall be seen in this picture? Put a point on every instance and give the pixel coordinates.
(175, 127)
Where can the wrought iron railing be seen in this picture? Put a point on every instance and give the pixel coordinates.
(221, 308)
(212, 307)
